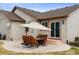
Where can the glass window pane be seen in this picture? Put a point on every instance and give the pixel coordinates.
(52, 27)
(42, 23)
(46, 24)
(57, 29)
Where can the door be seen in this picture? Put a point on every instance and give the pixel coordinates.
(55, 27)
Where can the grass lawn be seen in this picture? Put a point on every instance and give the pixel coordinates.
(72, 51)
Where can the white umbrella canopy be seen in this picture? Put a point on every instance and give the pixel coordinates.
(35, 25)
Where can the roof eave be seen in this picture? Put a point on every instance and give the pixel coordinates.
(53, 18)
(14, 9)
(17, 21)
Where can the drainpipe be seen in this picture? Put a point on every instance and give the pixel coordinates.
(66, 32)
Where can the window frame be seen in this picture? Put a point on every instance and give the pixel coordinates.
(55, 30)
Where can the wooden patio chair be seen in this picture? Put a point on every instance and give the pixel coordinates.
(33, 41)
(25, 40)
(44, 39)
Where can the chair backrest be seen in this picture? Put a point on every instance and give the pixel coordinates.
(25, 39)
(39, 36)
(32, 40)
(43, 36)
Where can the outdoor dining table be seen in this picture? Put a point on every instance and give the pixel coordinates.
(39, 40)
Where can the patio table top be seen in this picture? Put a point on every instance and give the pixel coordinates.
(39, 38)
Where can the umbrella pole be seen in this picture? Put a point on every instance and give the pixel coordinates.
(26, 29)
(26, 33)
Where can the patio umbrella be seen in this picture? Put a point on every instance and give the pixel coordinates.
(36, 25)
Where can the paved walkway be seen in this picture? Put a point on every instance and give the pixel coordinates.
(17, 47)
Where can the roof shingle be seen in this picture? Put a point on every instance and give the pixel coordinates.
(60, 12)
(11, 16)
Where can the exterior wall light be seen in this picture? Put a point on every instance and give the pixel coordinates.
(7, 24)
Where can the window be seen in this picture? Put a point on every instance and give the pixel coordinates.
(45, 24)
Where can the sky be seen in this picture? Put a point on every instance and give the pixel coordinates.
(42, 7)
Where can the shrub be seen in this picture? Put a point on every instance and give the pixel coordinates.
(74, 43)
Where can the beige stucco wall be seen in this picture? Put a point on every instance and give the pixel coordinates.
(28, 18)
(17, 30)
(3, 26)
(64, 30)
(73, 25)
(14, 31)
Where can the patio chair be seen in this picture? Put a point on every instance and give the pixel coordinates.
(44, 39)
(25, 39)
(33, 41)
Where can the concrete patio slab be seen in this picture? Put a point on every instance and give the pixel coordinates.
(17, 47)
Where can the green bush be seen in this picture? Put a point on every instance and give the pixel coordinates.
(74, 43)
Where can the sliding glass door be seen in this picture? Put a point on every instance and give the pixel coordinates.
(55, 26)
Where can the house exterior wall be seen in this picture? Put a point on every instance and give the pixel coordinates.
(4, 27)
(72, 25)
(27, 18)
(64, 30)
(17, 31)
(14, 30)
